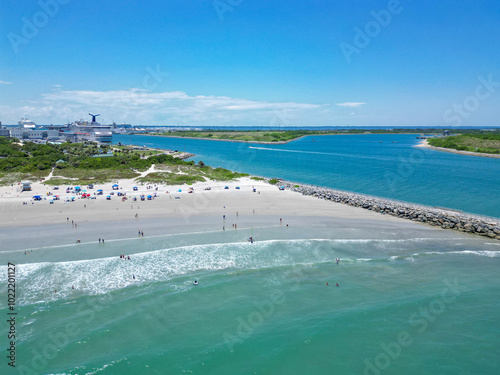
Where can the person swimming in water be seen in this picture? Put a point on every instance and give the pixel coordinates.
(195, 282)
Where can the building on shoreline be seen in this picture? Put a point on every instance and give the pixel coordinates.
(77, 131)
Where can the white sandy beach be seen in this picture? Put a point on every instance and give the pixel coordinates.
(169, 202)
(26, 223)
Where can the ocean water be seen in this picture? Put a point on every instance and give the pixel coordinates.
(386, 165)
(413, 300)
(410, 299)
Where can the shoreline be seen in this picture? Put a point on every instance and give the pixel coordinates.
(438, 217)
(229, 140)
(425, 144)
(185, 211)
(267, 143)
(168, 203)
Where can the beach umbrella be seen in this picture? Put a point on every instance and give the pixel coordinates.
(179, 190)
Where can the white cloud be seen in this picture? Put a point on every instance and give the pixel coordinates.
(350, 104)
(5, 83)
(139, 106)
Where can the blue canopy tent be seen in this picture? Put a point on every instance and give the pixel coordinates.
(115, 187)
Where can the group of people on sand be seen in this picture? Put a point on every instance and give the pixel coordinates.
(140, 233)
(125, 257)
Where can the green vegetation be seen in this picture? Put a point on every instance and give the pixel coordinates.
(274, 181)
(190, 174)
(296, 185)
(73, 164)
(169, 178)
(482, 142)
(241, 136)
(266, 136)
(75, 176)
(257, 178)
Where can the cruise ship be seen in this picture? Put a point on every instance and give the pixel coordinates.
(92, 131)
(26, 123)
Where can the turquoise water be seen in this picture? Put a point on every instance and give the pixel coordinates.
(412, 300)
(385, 165)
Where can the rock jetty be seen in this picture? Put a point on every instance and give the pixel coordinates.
(441, 217)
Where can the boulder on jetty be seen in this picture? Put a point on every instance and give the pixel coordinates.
(441, 217)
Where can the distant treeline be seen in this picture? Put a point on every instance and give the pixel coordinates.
(483, 142)
(289, 135)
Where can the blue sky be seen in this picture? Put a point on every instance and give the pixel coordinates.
(242, 62)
